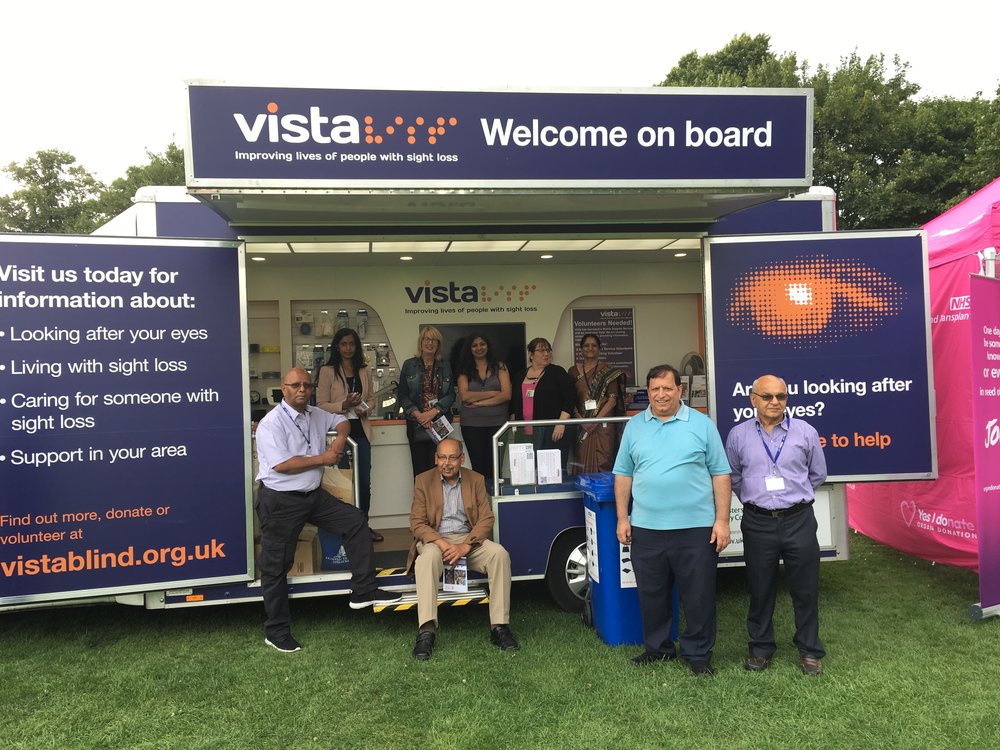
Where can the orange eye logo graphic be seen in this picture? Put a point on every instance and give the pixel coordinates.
(807, 302)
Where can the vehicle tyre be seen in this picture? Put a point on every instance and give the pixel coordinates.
(566, 575)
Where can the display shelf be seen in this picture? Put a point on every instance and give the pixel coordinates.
(264, 353)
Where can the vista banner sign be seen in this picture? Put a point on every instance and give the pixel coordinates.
(124, 441)
(243, 136)
(844, 320)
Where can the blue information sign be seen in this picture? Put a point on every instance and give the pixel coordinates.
(123, 427)
(843, 319)
(260, 137)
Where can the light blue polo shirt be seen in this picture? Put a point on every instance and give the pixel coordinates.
(672, 464)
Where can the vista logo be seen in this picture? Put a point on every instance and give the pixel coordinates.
(451, 292)
(299, 128)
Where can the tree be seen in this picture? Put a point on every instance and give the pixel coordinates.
(864, 123)
(745, 61)
(163, 169)
(984, 163)
(57, 195)
(893, 160)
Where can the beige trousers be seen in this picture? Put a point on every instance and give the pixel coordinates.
(489, 558)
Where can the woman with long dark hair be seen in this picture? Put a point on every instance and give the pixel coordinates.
(345, 387)
(484, 391)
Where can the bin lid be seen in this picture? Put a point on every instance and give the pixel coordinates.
(599, 483)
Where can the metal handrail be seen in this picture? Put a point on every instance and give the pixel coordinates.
(496, 443)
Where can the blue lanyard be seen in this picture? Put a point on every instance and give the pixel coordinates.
(304, 435)
(774, 459)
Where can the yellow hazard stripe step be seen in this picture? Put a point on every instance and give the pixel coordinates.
(409, 601)
(406, 606)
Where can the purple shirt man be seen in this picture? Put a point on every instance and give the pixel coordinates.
(789, 450)
(777, 464)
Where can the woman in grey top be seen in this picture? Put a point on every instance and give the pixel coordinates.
(484, 391)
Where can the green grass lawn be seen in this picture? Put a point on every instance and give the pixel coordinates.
(906, 668)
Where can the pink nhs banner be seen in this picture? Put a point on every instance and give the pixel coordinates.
(984, 310)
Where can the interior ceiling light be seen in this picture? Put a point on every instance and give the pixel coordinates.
(268, 247)
(686, 243)
(553, 246)
(409, 247)
(330, 247)
(406, 257)
(258, 258)
(546, 257)
(485, 246)
(680, 255)
(632, 244)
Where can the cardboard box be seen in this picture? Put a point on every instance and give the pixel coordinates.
(308, 554)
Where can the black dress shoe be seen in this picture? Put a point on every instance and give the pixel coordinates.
(650, 657)
(756, 663)
(424, 646)
(702, 669)
(502, 638)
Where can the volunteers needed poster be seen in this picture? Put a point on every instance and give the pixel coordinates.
(843, 319)
(123, 430)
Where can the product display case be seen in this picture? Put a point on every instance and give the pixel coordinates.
(264, 354)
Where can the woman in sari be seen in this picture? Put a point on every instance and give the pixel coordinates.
(600, 392)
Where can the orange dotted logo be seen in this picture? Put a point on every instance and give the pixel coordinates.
(811, 301)
(415, 130)
(503, 292)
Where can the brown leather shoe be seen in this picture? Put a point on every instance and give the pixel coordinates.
(756, 663)
(811, 666)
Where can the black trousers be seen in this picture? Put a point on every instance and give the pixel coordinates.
(766, 540)
(422, 448)
(684, 557)
(282, 516)
(479, 445)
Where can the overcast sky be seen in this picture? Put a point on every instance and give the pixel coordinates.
(105, 80)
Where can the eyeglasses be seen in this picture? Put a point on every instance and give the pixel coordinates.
(299, 386)
(771, 396)
(542, 349)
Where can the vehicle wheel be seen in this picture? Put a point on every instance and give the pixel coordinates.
(566, 576)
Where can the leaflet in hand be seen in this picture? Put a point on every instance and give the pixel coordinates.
(456, 578)
(440, 429)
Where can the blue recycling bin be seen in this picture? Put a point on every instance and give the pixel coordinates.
(614, 599)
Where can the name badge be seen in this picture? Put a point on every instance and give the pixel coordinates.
(590, 404)
(774, 484)
(530, 393)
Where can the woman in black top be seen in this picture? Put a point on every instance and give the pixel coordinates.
(544, 391)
